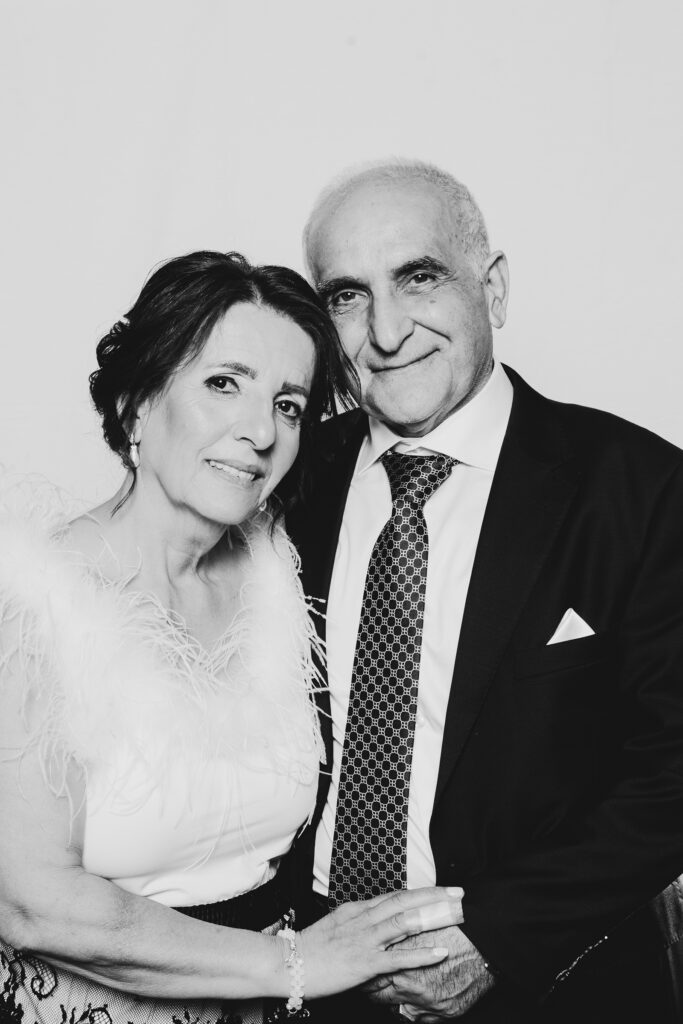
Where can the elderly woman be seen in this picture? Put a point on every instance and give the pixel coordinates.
(160, 747)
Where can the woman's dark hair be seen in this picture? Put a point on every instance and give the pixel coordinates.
(171, 320)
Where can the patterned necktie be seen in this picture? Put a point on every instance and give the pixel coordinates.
(369, 847)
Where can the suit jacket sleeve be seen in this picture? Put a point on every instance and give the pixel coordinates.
(535, 916)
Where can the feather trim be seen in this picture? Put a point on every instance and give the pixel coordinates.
(112, 681)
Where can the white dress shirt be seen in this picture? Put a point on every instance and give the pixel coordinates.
(454, 514)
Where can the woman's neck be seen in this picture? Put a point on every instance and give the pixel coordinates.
(168, 547)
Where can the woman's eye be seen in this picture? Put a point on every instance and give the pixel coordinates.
(290, 410)
(222, 383)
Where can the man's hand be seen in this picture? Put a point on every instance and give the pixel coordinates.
(442, 992)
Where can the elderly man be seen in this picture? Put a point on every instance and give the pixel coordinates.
(504, 586)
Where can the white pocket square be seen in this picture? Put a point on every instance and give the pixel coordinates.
(571, 627)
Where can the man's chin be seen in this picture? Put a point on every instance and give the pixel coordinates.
(406, 419)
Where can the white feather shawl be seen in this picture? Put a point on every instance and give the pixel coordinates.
(111, 677)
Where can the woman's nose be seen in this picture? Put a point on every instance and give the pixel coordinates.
(256, 425)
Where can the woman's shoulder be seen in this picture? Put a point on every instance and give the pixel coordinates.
(56, 610)
(79, 649)
(86, 543)
(32, 499)
(46, 532)
(44, 595)
(83, 535)
(34, 518)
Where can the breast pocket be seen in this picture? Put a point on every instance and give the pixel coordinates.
(564, 657)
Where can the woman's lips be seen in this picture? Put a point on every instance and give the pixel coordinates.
(242, 473)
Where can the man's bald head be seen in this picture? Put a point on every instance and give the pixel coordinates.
(466, 214)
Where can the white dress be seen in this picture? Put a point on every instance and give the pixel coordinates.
(199, 766)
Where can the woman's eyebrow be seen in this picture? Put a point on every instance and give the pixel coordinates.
(295, 389)
(248, 371)
(241, 368)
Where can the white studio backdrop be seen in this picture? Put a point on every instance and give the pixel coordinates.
(139, 130)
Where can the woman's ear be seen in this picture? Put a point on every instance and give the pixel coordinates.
(135, 432)
(135, 421)
(497, 285)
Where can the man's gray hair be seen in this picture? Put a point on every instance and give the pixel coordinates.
(468, 216)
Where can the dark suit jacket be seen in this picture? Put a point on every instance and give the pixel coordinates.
(559, 804)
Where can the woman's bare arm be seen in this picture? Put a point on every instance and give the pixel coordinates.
(50, 905)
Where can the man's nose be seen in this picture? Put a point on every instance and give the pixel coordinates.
(256, 425)
(389, 324)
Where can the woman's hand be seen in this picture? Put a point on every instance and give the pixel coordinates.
(356, 942)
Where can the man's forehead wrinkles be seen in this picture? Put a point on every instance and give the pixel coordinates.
(371, 247)
(357, 272)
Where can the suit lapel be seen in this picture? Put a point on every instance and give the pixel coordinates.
(533, 485)
(324, 513)
(318, 535)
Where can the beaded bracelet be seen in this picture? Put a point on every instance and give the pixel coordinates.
(295, 964)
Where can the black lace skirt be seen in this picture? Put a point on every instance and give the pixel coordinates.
(32, 990)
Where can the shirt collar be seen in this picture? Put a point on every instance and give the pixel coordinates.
(473, 435)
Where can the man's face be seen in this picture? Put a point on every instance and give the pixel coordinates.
(410, 310)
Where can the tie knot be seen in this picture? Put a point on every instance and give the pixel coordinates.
(414, 478)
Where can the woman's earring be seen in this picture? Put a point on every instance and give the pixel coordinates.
(263, 506)
(134, 453)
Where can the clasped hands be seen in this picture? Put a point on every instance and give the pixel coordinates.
(440, 992)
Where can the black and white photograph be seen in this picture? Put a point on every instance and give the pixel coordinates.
(341, 512)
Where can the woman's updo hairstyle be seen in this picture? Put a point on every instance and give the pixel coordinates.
(171, 320)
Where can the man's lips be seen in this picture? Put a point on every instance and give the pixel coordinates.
(389, 368)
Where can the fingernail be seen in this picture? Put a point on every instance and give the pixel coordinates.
(440, 952)
(438, 915)
(455, 890)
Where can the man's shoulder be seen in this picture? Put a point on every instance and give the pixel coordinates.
(339, 431)
(595, 435)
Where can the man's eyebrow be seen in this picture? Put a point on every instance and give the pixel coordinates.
(420, 265)
(337, 284)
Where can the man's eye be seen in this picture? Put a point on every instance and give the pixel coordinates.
(343, 299)
(423, 277)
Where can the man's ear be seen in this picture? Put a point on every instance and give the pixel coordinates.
(496, 285)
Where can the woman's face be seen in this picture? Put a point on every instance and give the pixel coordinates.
(226, 428)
